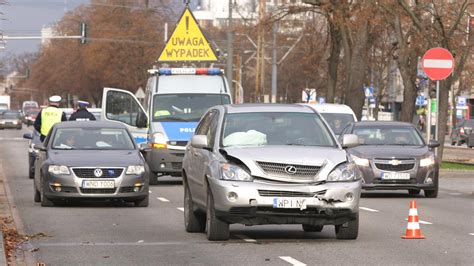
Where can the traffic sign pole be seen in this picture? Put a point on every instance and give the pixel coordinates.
(437, 110)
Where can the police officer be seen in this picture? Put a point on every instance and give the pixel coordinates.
(49, 116)
(82, 114)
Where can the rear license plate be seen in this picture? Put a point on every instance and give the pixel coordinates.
(98, 184)
(289, 203)
(395, 176)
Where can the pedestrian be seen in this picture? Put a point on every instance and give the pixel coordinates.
(49, 116)
(421, 123)
(82, 114)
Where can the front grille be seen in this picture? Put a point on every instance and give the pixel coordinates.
(68, 189)
(89, 172)
(282, 193)
(126, 189)
(307, 172)
(242, 210)
(176, 165)
(394, 164)
(98, 190)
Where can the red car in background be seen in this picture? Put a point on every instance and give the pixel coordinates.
(30, 116)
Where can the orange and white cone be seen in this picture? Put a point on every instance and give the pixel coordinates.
(413, 227)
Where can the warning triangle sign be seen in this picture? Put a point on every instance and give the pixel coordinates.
(187, 43)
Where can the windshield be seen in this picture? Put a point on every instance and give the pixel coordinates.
(184, 107)
(338, 122)
(8, 115)
(92, 139)
(388, 135)
(255, 129)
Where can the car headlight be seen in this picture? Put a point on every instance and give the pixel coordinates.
(158, 141)
(2, 122)
(135, 170)
(58, 169)
(344, 172)
(360, 161)
(428, 161)
(14, 122)
(234, 173)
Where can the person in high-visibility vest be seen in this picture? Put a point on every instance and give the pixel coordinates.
(49, 116)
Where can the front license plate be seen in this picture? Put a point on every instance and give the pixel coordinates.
(395, 176)
(98, 184)
(289, 203)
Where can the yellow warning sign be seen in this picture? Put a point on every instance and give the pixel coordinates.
(187, 43)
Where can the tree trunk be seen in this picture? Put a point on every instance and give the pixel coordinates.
(408, 70)
(333, 61)
(444, 88)
(358, 65)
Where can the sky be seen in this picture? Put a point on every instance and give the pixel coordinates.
(27, 17)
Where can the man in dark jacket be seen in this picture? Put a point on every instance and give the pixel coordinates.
(49, 116)
(82, 114)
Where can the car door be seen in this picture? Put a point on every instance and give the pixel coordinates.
(202, 157)
(124, 107)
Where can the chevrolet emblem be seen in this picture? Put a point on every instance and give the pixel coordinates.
(394, 162)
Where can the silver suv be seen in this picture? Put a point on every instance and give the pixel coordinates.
(269, 164)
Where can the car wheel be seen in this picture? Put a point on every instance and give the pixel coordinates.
(431, 193)
(215, 228)
(453, 143)
(312, 228)
(37, 197)
(414, 191)
(194, 222)
(142, 202)
(153, 179)
(348, 230)
(45, 202)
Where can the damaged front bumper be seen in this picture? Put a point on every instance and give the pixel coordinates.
(254, 202)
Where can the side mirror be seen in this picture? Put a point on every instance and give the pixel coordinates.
(144, 147)
(142, 120)
(199, 142)
(433, 144)
(28, 136)
(349, 141)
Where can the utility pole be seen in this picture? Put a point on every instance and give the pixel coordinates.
(260, 76)
(274, 64)
(230, 49)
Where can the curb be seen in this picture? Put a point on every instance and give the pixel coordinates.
(3, 257)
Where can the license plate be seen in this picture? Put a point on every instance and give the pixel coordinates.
(98, 184)
(289, 203)
(395, 176)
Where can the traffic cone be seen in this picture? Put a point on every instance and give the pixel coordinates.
(413, 227)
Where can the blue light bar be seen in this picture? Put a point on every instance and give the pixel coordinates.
(190, 71)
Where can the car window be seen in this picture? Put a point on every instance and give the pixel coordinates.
(211, 133)
(337, 121)
(388, 135)
(275, 128)
(92, 139)
(469, 123)
(203, 126)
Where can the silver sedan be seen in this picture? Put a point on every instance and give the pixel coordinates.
(269, 164)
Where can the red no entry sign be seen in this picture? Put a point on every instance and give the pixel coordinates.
(438, 63)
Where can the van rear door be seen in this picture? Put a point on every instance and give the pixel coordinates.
(123, 106)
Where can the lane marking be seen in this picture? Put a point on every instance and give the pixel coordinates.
(140, 241)
(368, 209)
(149, 191)
(162, 199)
(472, 234)
(420, 221)
(180, 208)
(79, 244)
(246, 239)
(455, 193)
(292, 261)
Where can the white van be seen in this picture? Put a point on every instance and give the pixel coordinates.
(338, 116)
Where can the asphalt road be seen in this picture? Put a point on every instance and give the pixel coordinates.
(119, 234)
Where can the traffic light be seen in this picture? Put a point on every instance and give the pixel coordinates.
(83, 33)
(471, 30)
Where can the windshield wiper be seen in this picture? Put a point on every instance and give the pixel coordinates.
(175, 119)
(63, 148)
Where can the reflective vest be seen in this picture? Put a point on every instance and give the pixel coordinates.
(49, 117)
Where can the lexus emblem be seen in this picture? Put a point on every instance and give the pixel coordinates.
(290, 169)
(98, 172)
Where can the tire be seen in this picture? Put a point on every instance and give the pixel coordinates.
(431, 193)
(312, 228)
(215, 228)
(153, 179)
(349, 230)
(194, 222)
(45, 202)
(37, 196)
(143, 202)
(414, 191)
(453, 143)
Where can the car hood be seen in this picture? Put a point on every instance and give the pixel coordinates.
(325, 157)
(389, 151)
(94, 158)
(9, 120)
